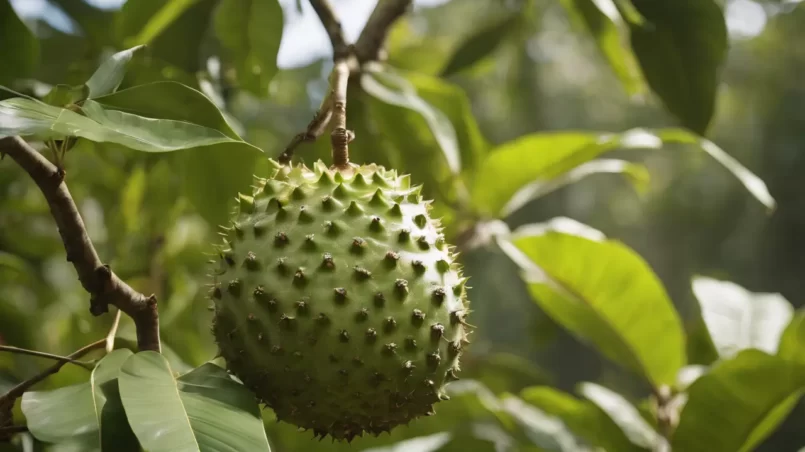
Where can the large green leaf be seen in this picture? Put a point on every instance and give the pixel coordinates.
(604, 293)
(738, 403)
(738, 319)
(587, 15)
(547, 432)
(20, 49)
(203, 410)
(89, 414)
(110, 73)
(482, 43)
(583, 417)
(169, 100)
(251, 31)
(531, 163)
(681, 46)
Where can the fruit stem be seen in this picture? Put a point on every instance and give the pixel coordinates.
(340, 136)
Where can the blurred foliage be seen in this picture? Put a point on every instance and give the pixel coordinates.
(503, 109)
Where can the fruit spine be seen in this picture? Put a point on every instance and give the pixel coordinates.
(337, 300)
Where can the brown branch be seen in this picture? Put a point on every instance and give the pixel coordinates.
(99, 280)
(314, 130)
(372, 38)
(25, 351)
(14, 393)
(340, 136)
(332, 25)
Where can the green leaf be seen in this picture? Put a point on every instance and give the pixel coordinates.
(169, 100)
(681, 47)
(115, 432)
(738, 403)
(110, 73)
(792, 341)
(65, 95)
(251, 31)
(203, 410)
(546, 431)
(480, 45)
(636, 174)
(738, 319)
(161, 20)
(602, 292)
(583, 417)
(73, 414)
(21, 58)
(606, 34)
(538, 159)
(625, 415)
(393, 89)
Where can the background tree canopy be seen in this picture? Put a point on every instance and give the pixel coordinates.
(655, 306)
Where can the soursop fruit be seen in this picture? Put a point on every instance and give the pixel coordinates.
(337, 300)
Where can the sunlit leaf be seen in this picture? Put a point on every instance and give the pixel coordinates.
(482, 43)
(605, 32)
(598, 289)
(546, 431)
(430, 443)
(583, 417)
(203, 410)
(624, 414)
(738, 319)
(681, 47)
(251, 31)
(536, 160)
(792, 341)
(738, 403)
(20, 49)
(110, 73)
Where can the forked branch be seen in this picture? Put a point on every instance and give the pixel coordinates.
(103, 285)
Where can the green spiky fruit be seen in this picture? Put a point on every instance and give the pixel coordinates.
(337, 300)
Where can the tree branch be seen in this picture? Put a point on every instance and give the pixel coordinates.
(25, 351)
(340, 136)
(14, 393)
(331, 23)
(372, 38)
(99, 280)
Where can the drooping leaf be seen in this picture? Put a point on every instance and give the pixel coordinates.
(536, 160)
(602, 292)
(203, 410)
(738, 319)
(635, 173)
(169, 100)
(681, 46)
(20, 49)
(87, 414)
(480, 45)
(583, 417)
(393, 89)
(738, 403)
(606, 34)
(110, 73)
(115, 432)
(251, 31)
(623, 414)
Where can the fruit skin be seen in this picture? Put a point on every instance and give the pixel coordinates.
(337, 300)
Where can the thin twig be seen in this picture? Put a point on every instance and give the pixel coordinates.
(332, 25)
(99, 280)
(25, 351)
(8, 398)
(314, 129)
(110, 337)
(373, 37)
